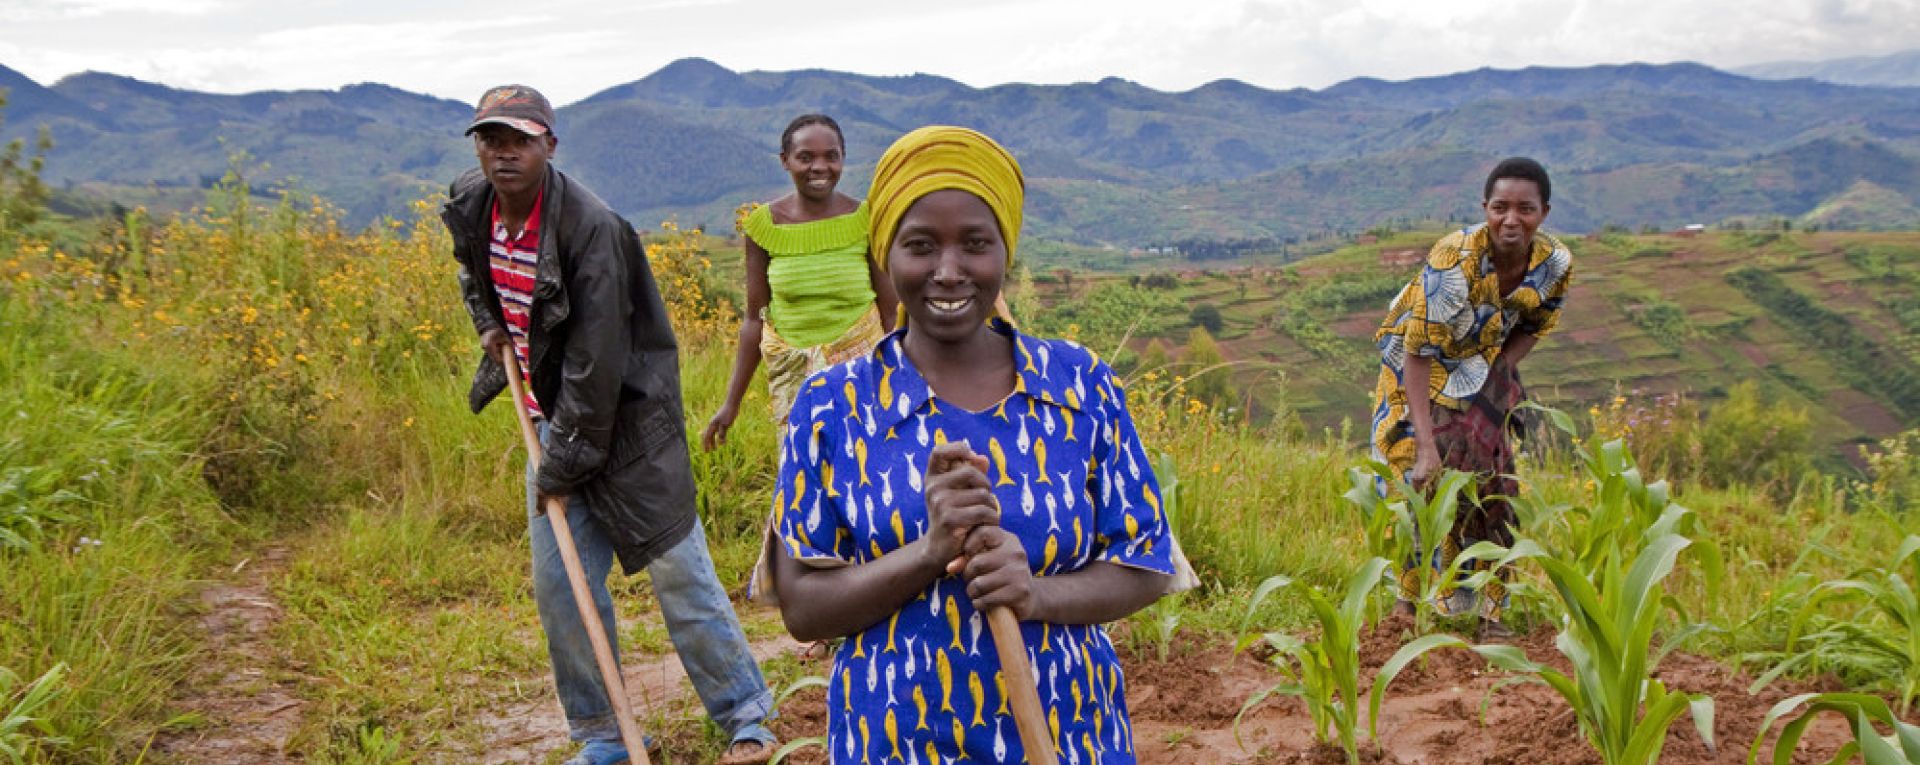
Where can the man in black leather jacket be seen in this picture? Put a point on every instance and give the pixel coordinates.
(547, 269)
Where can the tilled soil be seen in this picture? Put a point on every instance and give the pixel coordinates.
(1183, 712)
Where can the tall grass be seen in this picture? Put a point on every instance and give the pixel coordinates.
(177, 392)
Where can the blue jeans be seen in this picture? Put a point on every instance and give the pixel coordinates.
(700, 621)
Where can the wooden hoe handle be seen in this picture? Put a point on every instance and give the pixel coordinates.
(1023, 694)
(556, 512)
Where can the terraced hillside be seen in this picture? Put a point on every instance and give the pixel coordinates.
(1826, 321)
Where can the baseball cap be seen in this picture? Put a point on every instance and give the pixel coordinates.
(516, 106)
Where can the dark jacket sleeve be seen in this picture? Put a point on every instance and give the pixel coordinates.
(473, 287)
(593, 360)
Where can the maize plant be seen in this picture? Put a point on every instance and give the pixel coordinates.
(1607, 636)
(1881, 639)
(1325, 672)
(1410, 530)
(1862, 712)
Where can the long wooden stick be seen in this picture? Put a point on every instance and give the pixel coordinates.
(556, 512)
(1023, 694)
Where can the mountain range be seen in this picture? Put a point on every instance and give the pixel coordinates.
(1900, 69)
(1108, 163)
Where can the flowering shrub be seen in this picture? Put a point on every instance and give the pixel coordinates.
(1893, 472)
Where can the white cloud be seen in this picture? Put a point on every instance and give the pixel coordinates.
(572, 48)
(19, 11)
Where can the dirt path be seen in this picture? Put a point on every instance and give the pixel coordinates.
(657, 685)
(246, 693)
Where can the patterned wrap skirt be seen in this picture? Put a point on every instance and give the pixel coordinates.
(1477, 441)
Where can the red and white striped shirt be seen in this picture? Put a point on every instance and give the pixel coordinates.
(513, 260)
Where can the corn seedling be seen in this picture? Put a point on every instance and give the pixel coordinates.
(1881, 639)
(1862, 712)
(1409, 530)
(1608, 631)
(1325, 672)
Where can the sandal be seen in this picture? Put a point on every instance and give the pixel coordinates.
(747, 751)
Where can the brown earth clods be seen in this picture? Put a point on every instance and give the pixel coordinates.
(1183, 712)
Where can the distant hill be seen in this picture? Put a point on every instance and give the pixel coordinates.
(1825, 321)
(1897, 69)
(1110, 163)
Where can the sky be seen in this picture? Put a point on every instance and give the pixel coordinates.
(571, 49)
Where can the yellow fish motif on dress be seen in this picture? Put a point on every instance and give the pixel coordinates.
(1000, 682)
(826, 478)
(860, 455)
(944, 669)
(853, 400)
(799, 489)
(1073, 687)
(846, 689)
(1046, 632)
(920, 703)
(939, 437)
(1053, 549)
(1078, 537)
(1067, 414)
(953, 621)
(892, 624)
(979, 698)
(959, 735)
(892, 726)
(899, 528)
(1000, 459)
(886, 387)
(1040, 458)
(1133, 526)
(866, 740)
(1153, 500)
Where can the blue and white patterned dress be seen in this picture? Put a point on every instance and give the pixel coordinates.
(924, 687)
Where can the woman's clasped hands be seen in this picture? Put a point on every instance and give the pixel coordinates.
(965, 537)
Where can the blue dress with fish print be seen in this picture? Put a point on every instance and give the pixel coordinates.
(924, 687)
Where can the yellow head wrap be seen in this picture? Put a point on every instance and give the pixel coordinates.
(941, 157)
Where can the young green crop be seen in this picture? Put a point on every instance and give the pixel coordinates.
(1862, 712)
(1608, 634)
(1324, 672)
(1881, 638)
(1407, 527)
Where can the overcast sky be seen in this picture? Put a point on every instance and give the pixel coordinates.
(573, 48)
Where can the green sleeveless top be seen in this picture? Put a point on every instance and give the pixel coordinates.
(817, 272)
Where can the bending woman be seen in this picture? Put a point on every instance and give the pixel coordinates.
(813, 297)
(962, 466)
(1485, 298)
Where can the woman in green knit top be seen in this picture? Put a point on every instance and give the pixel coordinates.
(814, 298)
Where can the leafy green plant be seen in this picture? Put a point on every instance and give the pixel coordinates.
(1408, 527)
(1611, 615)
(19, 723)
(1880, 639)
(1862, 712)
(1325, 672)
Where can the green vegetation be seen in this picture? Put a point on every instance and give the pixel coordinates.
(1862, 713)
(238, 396)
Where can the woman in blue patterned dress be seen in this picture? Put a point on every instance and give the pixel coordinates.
(963, 466)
